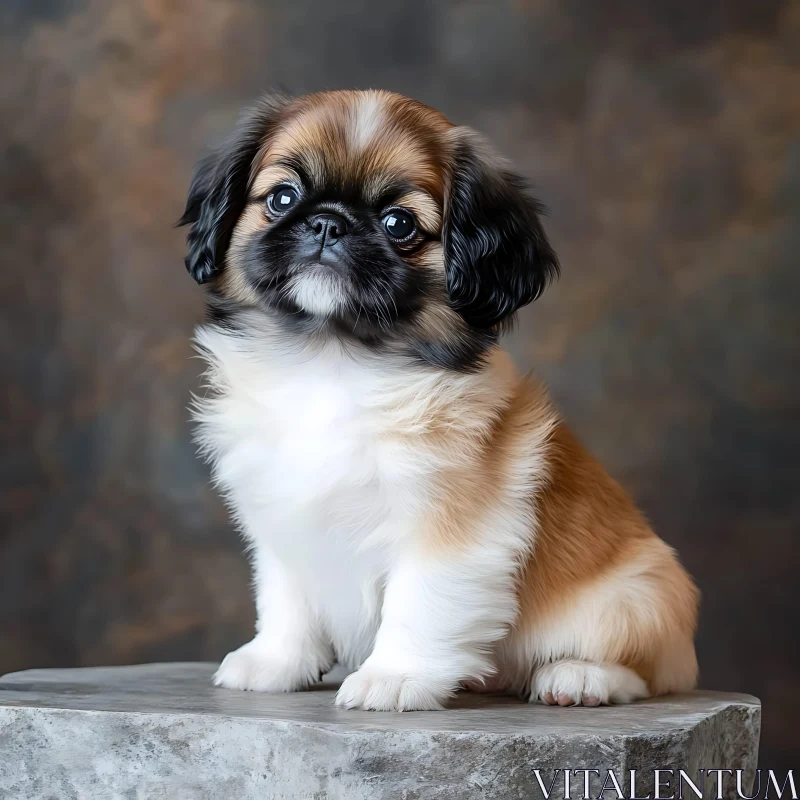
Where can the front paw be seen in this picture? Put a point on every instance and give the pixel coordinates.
(255, 667)
(376, 689)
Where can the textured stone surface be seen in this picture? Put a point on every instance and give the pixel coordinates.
(162, 730)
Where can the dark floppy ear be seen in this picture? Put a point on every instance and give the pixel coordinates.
(218, 191)
(497, 257)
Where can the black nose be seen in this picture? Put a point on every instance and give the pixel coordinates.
(328, 228)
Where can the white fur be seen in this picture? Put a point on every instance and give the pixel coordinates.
(574, 682)
(311, 449)
(318, 290)
(439, 618)
(289, 650)
(368, 121)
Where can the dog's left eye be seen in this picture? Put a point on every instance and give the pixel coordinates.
(399, 224)
(282, 199)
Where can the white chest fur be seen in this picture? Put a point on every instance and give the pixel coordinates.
(311, 451)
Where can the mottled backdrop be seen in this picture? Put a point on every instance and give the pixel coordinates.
(665, 138)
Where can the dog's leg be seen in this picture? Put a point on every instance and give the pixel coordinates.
(440, 617)
(625, 635)
(289, 650)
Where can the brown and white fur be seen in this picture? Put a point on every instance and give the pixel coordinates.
(416, 509)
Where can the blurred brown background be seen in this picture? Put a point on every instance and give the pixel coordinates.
(665, 138)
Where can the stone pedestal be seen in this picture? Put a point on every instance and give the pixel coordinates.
(163, 731)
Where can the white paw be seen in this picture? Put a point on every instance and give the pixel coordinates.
(575, 683)
(376, 689)
(256, 668)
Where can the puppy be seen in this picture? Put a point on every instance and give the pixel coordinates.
(415, 508)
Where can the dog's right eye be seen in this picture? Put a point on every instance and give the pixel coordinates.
(283, 199)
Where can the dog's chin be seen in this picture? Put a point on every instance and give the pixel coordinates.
(318, 291)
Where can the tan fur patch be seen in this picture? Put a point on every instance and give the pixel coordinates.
(268, 178)
(424, 208)
(483, 458)
(593, 546)
(369, 138)
(585, 519)
(431, 257)
(253, 220)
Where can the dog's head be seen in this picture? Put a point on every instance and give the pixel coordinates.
(366, 215)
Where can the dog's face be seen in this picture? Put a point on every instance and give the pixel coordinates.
(367, 216)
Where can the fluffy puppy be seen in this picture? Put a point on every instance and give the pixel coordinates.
(415, 508)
